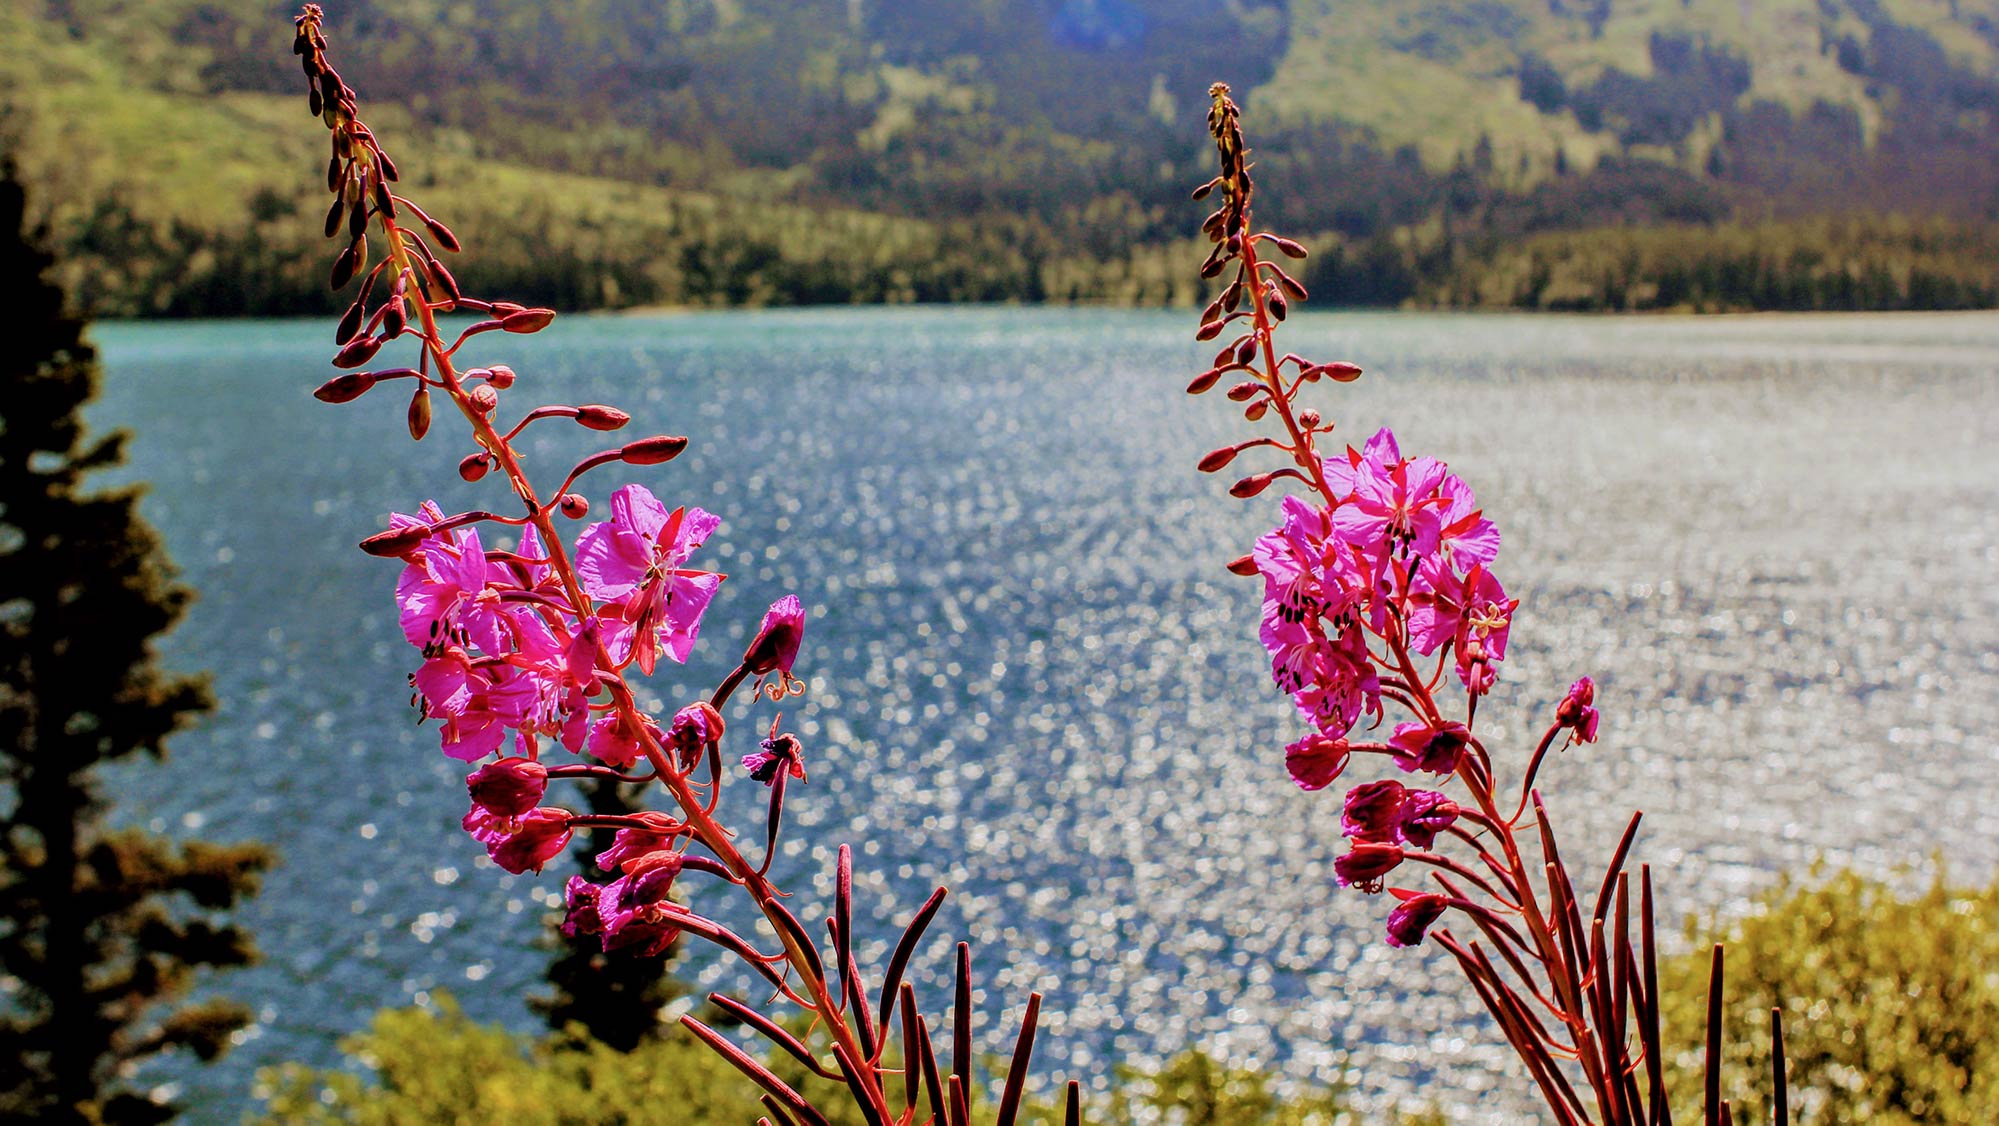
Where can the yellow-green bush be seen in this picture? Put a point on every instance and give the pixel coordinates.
(1890, 999)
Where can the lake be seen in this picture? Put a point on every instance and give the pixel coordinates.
(1772, 540)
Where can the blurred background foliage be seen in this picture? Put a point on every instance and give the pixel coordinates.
(1697, 154)
(1890, 994)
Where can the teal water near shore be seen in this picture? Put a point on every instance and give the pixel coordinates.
(1771, 539)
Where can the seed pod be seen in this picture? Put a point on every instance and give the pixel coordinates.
(652, 451)
(1291, 249)
(574, 506)
(599, 417)
(1216, 460)
(1244, 565)
(1244, 390)
(350, 323)
(419, 417)
(474, 466)
(1256, 409)
(501, 376)
(358, 351)
(345, 388)
(1246, 351)
(1250, 486)
(1204, 381)
(527, 320)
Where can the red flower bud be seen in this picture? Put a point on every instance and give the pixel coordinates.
(1242, 391)
(1204, 381)
(1291, 249)
(345, 388)
(527, 320)
(395, 543)
(1244, 565)
(419, 417)
(501, 376)
(359, 351)
(1251, 485)
(596, 416)
(484, 398)
(573, 506)
(474, 466)
(652, 451)
(1217, 459)
(1340, 372)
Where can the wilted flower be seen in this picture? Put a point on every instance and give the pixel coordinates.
(508, 787)
(780, 752)
(1365, 866)
(1413, 916)
(1419, 746)
(1577, 711)
(1316, 760)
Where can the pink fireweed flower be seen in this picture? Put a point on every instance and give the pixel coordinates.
(776, 644)
(1394, 506)
(454, 688)
(1331, 679)
(1373, 810)
(520, 844)
(581, 915)
(630, 846)
(634, 908)
(1423, 815)
(1418, 746)
(508, 787)
(1413, 916)
(613, 740)
(1364, 867)
(634, 563)
(1467, 537)
(1577, 711)
(694, 728)
(1315, 760)
(448, 589)
(780, 752)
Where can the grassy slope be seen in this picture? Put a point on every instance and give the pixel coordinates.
(1439, 74)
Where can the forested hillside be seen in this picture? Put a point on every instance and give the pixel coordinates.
(619, 152)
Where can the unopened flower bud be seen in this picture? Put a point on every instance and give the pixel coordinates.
(358, 351)
(1291, 249)
(345, 388)
(527, 320)
(395, 543)
(652, 451)
(1256, 409)
(500, 376)
(1244, 565)
(1365, 866)
(419, 417)
(508, 787)
(1217, 459)
(1250, 486)
(474, 466)
(1246, 351)
(1209, 331)
(1204, 381)
(484, 398)
(1308, 418)
(1242, 391)
(574, 506)
(596, 416)
(1340, 372)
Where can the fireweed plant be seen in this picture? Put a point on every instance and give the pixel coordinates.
(529, 652)
(1379, 592)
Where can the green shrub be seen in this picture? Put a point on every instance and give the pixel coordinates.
(1891, 1004)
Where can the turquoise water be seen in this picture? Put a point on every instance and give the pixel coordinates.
(1771, 539)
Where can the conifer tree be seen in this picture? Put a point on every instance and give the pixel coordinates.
(101, 930)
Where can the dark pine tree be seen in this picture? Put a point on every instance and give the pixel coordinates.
(617, 998)
(101, 930)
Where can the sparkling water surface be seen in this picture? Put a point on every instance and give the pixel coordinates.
(1772, 540)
